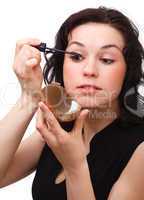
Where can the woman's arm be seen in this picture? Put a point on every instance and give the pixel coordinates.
(12, 127)
(25, 159)
(71, 151)
(78, 184)
(130, 185)
(20, 157)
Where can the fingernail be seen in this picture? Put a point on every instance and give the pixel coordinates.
(42, 105)
(32, 61)
(87, 111)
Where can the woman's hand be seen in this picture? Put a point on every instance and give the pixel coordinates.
(69, 148)
(27, 67)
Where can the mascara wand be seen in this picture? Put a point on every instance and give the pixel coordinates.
(43, 48)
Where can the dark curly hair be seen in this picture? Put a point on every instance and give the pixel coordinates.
(133, 51)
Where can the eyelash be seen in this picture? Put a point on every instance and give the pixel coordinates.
(78, 57)
(107, 61)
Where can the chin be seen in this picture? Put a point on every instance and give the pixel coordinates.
(90, 103)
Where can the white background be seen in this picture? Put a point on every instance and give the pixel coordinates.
(40, 19)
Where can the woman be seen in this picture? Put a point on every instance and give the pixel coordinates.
(102, 155)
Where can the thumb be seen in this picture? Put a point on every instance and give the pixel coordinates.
(79, 123)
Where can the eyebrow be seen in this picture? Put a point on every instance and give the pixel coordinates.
(103, 47)
(77, 43)
(111, 46)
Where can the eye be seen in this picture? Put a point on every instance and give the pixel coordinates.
(107, 61)
(76, 57)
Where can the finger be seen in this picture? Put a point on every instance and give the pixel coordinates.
(28, 41)
(32, 62)
(52, 121)
(39, 117)
(40, 122)
(79, 123)
(28, 71)
(42, 128)
(30, 56)
(30, 52)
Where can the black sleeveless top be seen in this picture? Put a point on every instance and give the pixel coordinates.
(110, 151)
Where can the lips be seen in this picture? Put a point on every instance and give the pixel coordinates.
(89, 87)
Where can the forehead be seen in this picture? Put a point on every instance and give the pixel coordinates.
(96, 34)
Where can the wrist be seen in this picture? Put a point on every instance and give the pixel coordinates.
(78, 183)
(80, 168)
(29, 102)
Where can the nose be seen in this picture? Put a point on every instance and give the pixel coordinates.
(90, 69)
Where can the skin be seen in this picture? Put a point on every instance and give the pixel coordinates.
(89, 40)
(98, 65)
(70, 149)
(15, 162)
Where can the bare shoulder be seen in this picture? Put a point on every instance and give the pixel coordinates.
(130, 185)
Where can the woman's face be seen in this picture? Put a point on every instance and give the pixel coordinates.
(95, 78)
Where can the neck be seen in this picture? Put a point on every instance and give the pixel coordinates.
(98, 119)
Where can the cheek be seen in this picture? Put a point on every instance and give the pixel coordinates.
(116, 78)
(70, 76)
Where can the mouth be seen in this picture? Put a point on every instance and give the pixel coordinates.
(89, 87)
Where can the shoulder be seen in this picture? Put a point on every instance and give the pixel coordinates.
(135, 164)
(130, 184)
(130, 136)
